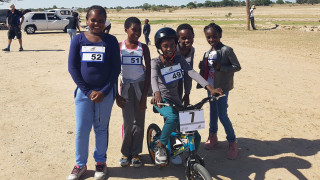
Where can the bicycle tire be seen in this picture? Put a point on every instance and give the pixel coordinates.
(198, 172)
(153, 132)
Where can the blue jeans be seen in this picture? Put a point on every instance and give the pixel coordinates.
(72, 33)
(171, 123)
(90, 114)
(219, 109)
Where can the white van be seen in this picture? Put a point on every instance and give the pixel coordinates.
(43, 21)
(63, 13)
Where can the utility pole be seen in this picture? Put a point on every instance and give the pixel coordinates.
(248, 20)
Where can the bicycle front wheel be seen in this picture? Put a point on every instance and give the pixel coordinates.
(198, 172)
(153, 133)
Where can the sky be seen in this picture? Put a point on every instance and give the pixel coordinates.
(25, 4)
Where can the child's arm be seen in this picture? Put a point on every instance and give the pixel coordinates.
(147, 81)
(154, 83)
(235, 65)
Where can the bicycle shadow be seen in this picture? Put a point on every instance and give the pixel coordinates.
(248, 162)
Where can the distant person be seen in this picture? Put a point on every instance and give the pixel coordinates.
(108, 26)
(146, 31)
(94, 65)
(14, 26)
(218, 66)
(253, 7)
(73, 25)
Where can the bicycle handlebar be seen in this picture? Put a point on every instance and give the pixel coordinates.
(192, 107)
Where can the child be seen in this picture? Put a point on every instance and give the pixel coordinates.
(165, 86)
(219, 65)
(94, 65)
(135, 83)
(186, 50)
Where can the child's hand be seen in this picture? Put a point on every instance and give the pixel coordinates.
(213, 91)
(96, 96)
(143, 103)
(157, 99)
(121, 102)
(186, 100)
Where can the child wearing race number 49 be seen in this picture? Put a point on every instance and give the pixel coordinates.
(166, 71)
(135, 83)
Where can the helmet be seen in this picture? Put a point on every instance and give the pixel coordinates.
(162, 33)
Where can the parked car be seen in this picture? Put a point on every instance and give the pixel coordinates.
(42, 21)
(3, 15)
(63, 13)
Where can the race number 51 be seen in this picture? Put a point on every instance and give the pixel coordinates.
(131, 60)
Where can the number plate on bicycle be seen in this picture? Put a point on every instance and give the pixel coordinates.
(191, 120)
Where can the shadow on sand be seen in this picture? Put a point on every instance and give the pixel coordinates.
(268, 29)
(247, 164)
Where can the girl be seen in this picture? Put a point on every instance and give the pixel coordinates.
(186, 50)
(135, 83)
(165, 86)
(219, 65)
(94, 65)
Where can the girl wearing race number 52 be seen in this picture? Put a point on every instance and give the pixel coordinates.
(94, 65)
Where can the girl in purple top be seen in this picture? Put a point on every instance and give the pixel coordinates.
(94, 65)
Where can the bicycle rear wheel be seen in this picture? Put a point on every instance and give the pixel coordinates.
(153, 133)
(198, 172)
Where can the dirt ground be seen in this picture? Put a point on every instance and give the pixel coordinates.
(274, 106)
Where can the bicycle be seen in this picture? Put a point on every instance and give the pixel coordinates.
(194, 164)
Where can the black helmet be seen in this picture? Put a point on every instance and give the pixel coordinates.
(162, 33)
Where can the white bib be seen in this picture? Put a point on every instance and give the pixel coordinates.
(131, 60)
(172, 73)
(93, 54)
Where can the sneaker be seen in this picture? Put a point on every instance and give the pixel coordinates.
(77, 172)
(20, 49)
(6, 49)
(136, 161)
(124, 161)
(101, 171)
(232, 150)
(211, 142)
(176, 160)
(160, 155)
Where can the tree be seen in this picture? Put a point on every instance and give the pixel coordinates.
(6, 1)
(279, 2)
(191, 5)
(146, 6)
(54, 7)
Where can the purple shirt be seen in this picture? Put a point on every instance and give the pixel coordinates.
(98, 76)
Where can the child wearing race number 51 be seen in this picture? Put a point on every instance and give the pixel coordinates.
(94, 65)
(135, 83)
(166, 71)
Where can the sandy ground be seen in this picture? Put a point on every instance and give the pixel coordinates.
(274, 106)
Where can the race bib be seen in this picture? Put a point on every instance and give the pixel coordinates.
(92, 54)
(131, 60)
(171, 74)
(191, 120)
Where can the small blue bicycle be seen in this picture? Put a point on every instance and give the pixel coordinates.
(194, 163)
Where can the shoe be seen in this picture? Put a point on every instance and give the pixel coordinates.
(211, 142)
(77, 172)
(176, 160)
(160, 155)
(232, 150)
(136, 161)
(20, 49)
(124, 161)
(6, 49)
(101, 171)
